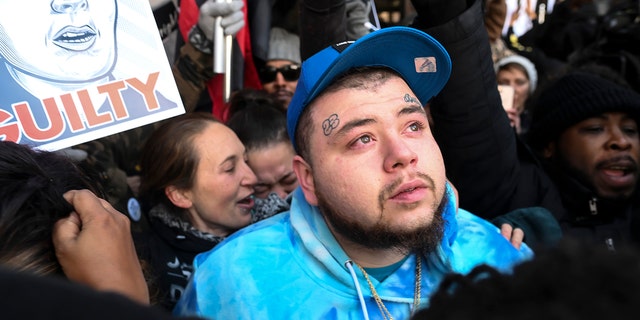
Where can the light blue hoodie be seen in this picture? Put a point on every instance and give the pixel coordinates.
(291, 267)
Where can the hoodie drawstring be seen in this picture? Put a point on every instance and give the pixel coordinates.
(349, 265)
(593, 206)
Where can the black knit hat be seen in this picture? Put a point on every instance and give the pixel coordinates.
(575, 97)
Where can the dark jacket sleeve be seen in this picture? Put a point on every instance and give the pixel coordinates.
(57, 298)
(322, 23)
(191, 71)
(482, 156)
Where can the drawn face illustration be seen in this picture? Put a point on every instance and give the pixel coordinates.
(59, 40)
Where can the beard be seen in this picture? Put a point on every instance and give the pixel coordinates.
(382, 235)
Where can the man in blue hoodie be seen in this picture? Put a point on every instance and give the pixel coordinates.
(374, 226)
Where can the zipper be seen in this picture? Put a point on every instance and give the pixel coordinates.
(593, 206)
(609, 243)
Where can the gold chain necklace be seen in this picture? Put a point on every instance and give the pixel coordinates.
(416, 294)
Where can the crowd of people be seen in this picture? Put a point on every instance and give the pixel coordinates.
(353, 172)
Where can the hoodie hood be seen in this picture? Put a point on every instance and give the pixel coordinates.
(291, 266)
(319, 242)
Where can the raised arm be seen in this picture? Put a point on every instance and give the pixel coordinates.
(472, 129)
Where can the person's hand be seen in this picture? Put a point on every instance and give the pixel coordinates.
(514, 119)
(530, 10)
(513, 235)
(94, 246)
(230, 12)
(514, 16)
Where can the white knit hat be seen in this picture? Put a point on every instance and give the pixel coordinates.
(283, 45)
(525, 63)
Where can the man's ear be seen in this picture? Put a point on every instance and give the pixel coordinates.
(180, 198)
(305, 179)
(550, 150)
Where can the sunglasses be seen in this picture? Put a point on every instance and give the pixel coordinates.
(290, 72)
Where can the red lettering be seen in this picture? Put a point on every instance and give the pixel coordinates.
(8, 131)
(75, 122)
(113, 92)
(31, 129)
(23, 121)
(147, 89)
(93, 118)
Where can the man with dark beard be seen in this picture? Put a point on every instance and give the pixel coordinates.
(374, 225)
(279, 75)
(585, 130)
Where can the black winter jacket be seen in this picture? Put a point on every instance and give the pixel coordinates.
(167, 250)
(492, 169)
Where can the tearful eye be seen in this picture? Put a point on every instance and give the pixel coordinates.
(362, 141)
(416, 126)
(365, 139)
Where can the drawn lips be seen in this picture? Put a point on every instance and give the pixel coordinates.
(75, 38)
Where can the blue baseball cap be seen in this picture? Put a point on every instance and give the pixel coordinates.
(421, 61)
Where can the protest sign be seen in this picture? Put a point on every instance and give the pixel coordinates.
(76, 70)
